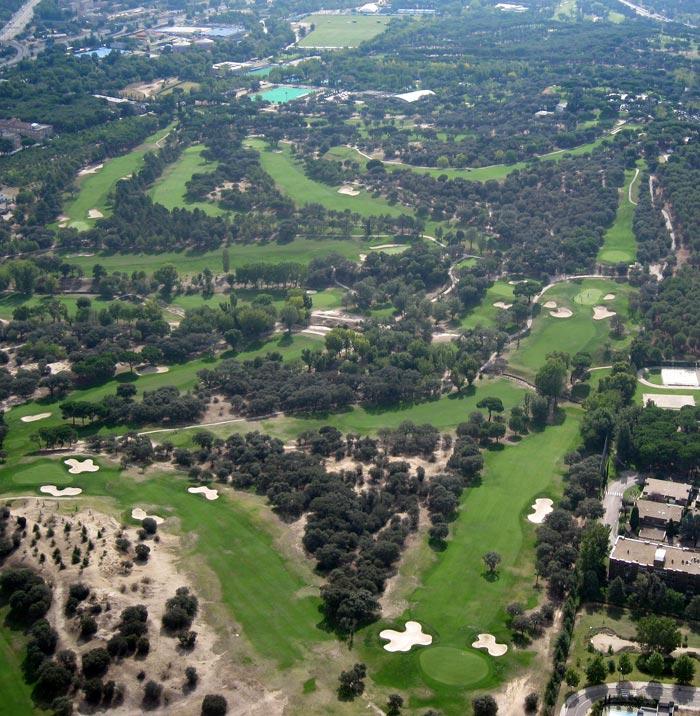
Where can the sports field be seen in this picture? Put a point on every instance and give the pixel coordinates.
(455, 600)
(619, 243)
(171, 187)
(342, 30)
(291, 180)
(577, 333)
(94, 189)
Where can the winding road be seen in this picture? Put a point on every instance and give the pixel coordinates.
(581, 702)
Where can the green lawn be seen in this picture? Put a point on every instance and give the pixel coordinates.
(171, 187)
(579, 332)
(342, 30)
(291, 180)
(94, 189)
(455, 600)
(486, 313)
(619, 242)
(16, 694)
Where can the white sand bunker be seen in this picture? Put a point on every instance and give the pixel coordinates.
(550, 304)
(603, 641)
(207, 492)
(601, 312)
(348, 191)
(488, 642)
(404, 640)
(148, 369)
(138, 514)
(34, 418)
(55, 492)
(501, 304)
(90, 170)
(75, 467)
(608, 297)
(95, 214)
(561, 312)
(542, 506)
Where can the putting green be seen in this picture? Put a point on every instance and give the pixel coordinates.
(589, 297)
(454, 667)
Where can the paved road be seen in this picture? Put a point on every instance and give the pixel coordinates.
(581, 701)
(612, 501)
(18, 21)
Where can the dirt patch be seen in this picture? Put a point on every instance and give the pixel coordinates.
(604, 641)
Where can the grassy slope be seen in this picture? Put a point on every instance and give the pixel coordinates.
(578, 333)
(94, 189)
(455, 601)
(170, 189)
(342, 30)
(486, 313)
(16, 694)
(292, 181)
(619, 242)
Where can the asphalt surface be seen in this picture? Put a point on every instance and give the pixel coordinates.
(612, 501)
(18, 21)
(579, 703)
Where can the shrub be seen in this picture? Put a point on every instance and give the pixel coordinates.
(214, 705)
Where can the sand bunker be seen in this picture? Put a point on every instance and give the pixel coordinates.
(601, 312)
(90, 170)
(488, 642)
(550, 304)
(95, 214)
(34, 418)
(608, 297)
(501, 304)
(138, 514)
(603, 641)
(542, 506)
(561, 312)
(55, 492)
(148, 369)
(348, 191)
(387, 246)
(207, 492)
(75, 467)
(404, 640)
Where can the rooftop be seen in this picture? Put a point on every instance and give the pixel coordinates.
(675, 559)
(659, 510)
(666, 488)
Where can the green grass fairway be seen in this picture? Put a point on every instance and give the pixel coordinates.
(16, 694)
(486, 313)
(342, 30)
(170, 189)
(94, 189)
(233, 555)
(579, 332)
(495, 172)
(619, 243)
(455, 600)
(291, 180)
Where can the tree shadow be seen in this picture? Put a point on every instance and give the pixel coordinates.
(491, 576)
(467, 392)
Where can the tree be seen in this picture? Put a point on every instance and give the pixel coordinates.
(634, 519)
(572, 678)
(532, 702)
(550, 379)
(493, 405)
(624, 665)
(394, 705)
(152, 694)
(616, 592)
(658, 634)
(484, 706)
(166, 276)
(214, 705)
(596, 671)
(289, 315)
(352, 682)
(656, 664)
(684, 669)
(492, 560)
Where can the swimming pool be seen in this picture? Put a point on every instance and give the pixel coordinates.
(282, 95)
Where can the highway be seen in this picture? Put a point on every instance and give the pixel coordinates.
(18, 21)
(580, 703)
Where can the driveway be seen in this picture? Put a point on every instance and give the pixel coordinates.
(612, 501)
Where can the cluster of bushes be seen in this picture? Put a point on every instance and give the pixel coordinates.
(131, 636)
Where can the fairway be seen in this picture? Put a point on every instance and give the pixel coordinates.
(16, 693)
(342, 30)
(486, 314)
(290, 179)
(619, 244)
(94, 189)
(171, 187)
(577, 333)
(455, 600)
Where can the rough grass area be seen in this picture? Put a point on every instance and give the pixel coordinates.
(16, 694)
(578, 333)
(291, 180)
(456, 599)
(342, 30)
(94, 189)
(170, 188)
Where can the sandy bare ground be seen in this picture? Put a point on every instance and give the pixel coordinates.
(348, 191)
(34, 418)
(115, 586)
(405, 640)
(76, 467)
(601, 312)
(58, 366)
(90, 170)
(502, 305)
(488, 642)
(56, 492)
(542, 506)
(561, 312)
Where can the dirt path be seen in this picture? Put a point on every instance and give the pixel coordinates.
(629, 188)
